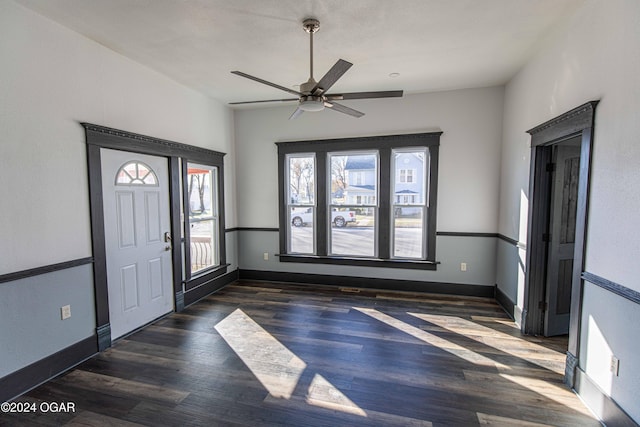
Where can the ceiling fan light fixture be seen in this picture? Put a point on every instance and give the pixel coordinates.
(311, 103)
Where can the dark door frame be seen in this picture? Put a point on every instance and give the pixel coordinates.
(578, 122)
(98, 137)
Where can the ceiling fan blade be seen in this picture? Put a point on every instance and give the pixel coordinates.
(366, 95)
(266, 100)
(343, 109)
(332, 76)
(259, 80)
(296, 113)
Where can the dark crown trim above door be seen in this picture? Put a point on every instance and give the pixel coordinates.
(106, 137)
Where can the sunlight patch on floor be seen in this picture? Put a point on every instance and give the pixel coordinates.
(526, 350)
(322, 393)
(496, 421)
(277, 368)
(557, 393)
(434, 340)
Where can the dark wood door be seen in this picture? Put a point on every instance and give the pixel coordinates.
(562, 230)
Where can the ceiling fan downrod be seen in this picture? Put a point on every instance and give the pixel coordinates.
(311, 25)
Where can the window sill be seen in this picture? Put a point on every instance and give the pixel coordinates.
(205, 276)
(360, 262)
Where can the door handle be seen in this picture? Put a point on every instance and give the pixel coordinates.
(167, 248)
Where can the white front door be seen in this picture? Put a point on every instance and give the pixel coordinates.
(135, 191)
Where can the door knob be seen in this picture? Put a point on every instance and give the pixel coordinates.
(167, 248)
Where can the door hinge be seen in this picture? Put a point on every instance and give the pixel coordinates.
(542, 305)
(551, 167)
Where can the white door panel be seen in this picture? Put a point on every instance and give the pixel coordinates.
(136, 217)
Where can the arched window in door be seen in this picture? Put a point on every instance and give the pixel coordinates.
(136, 173)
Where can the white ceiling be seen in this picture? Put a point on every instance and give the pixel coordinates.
(433, 44)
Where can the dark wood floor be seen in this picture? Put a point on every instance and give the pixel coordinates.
(257, 354)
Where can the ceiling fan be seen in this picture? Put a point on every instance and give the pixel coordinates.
(313, 95)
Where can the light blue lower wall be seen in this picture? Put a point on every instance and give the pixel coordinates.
(508, 264)
(510, 269)
(610, 326)
(231, 243)
(31, 327)
(478, 252)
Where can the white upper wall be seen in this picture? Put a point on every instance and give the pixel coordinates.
(593, 57)
(469, 160)
(51, 80)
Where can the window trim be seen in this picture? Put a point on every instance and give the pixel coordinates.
(351, 205)
(192, 280)
(405, 202)
(214, 217)
(313, 206)
(384, 144)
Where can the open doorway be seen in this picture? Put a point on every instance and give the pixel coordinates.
(561, 231)
(558, 205)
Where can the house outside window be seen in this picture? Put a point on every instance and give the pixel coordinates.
(366, 201)
(406, 175)
(358, 203)
(410, 190)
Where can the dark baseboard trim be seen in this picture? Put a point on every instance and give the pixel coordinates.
(605, 408)
(369, 283)
(29, 377)
(362, 262)
(616, 288)
(209, 287)
(505, 302)
(570, 366)
(179, 301)
(103, 333)
(207, 277)
(44, 270)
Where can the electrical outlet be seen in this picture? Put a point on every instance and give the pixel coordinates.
(266, 256)
(615, 365)
(463, 266)
(65, 312)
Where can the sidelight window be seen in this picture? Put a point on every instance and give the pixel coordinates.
(203, 220)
